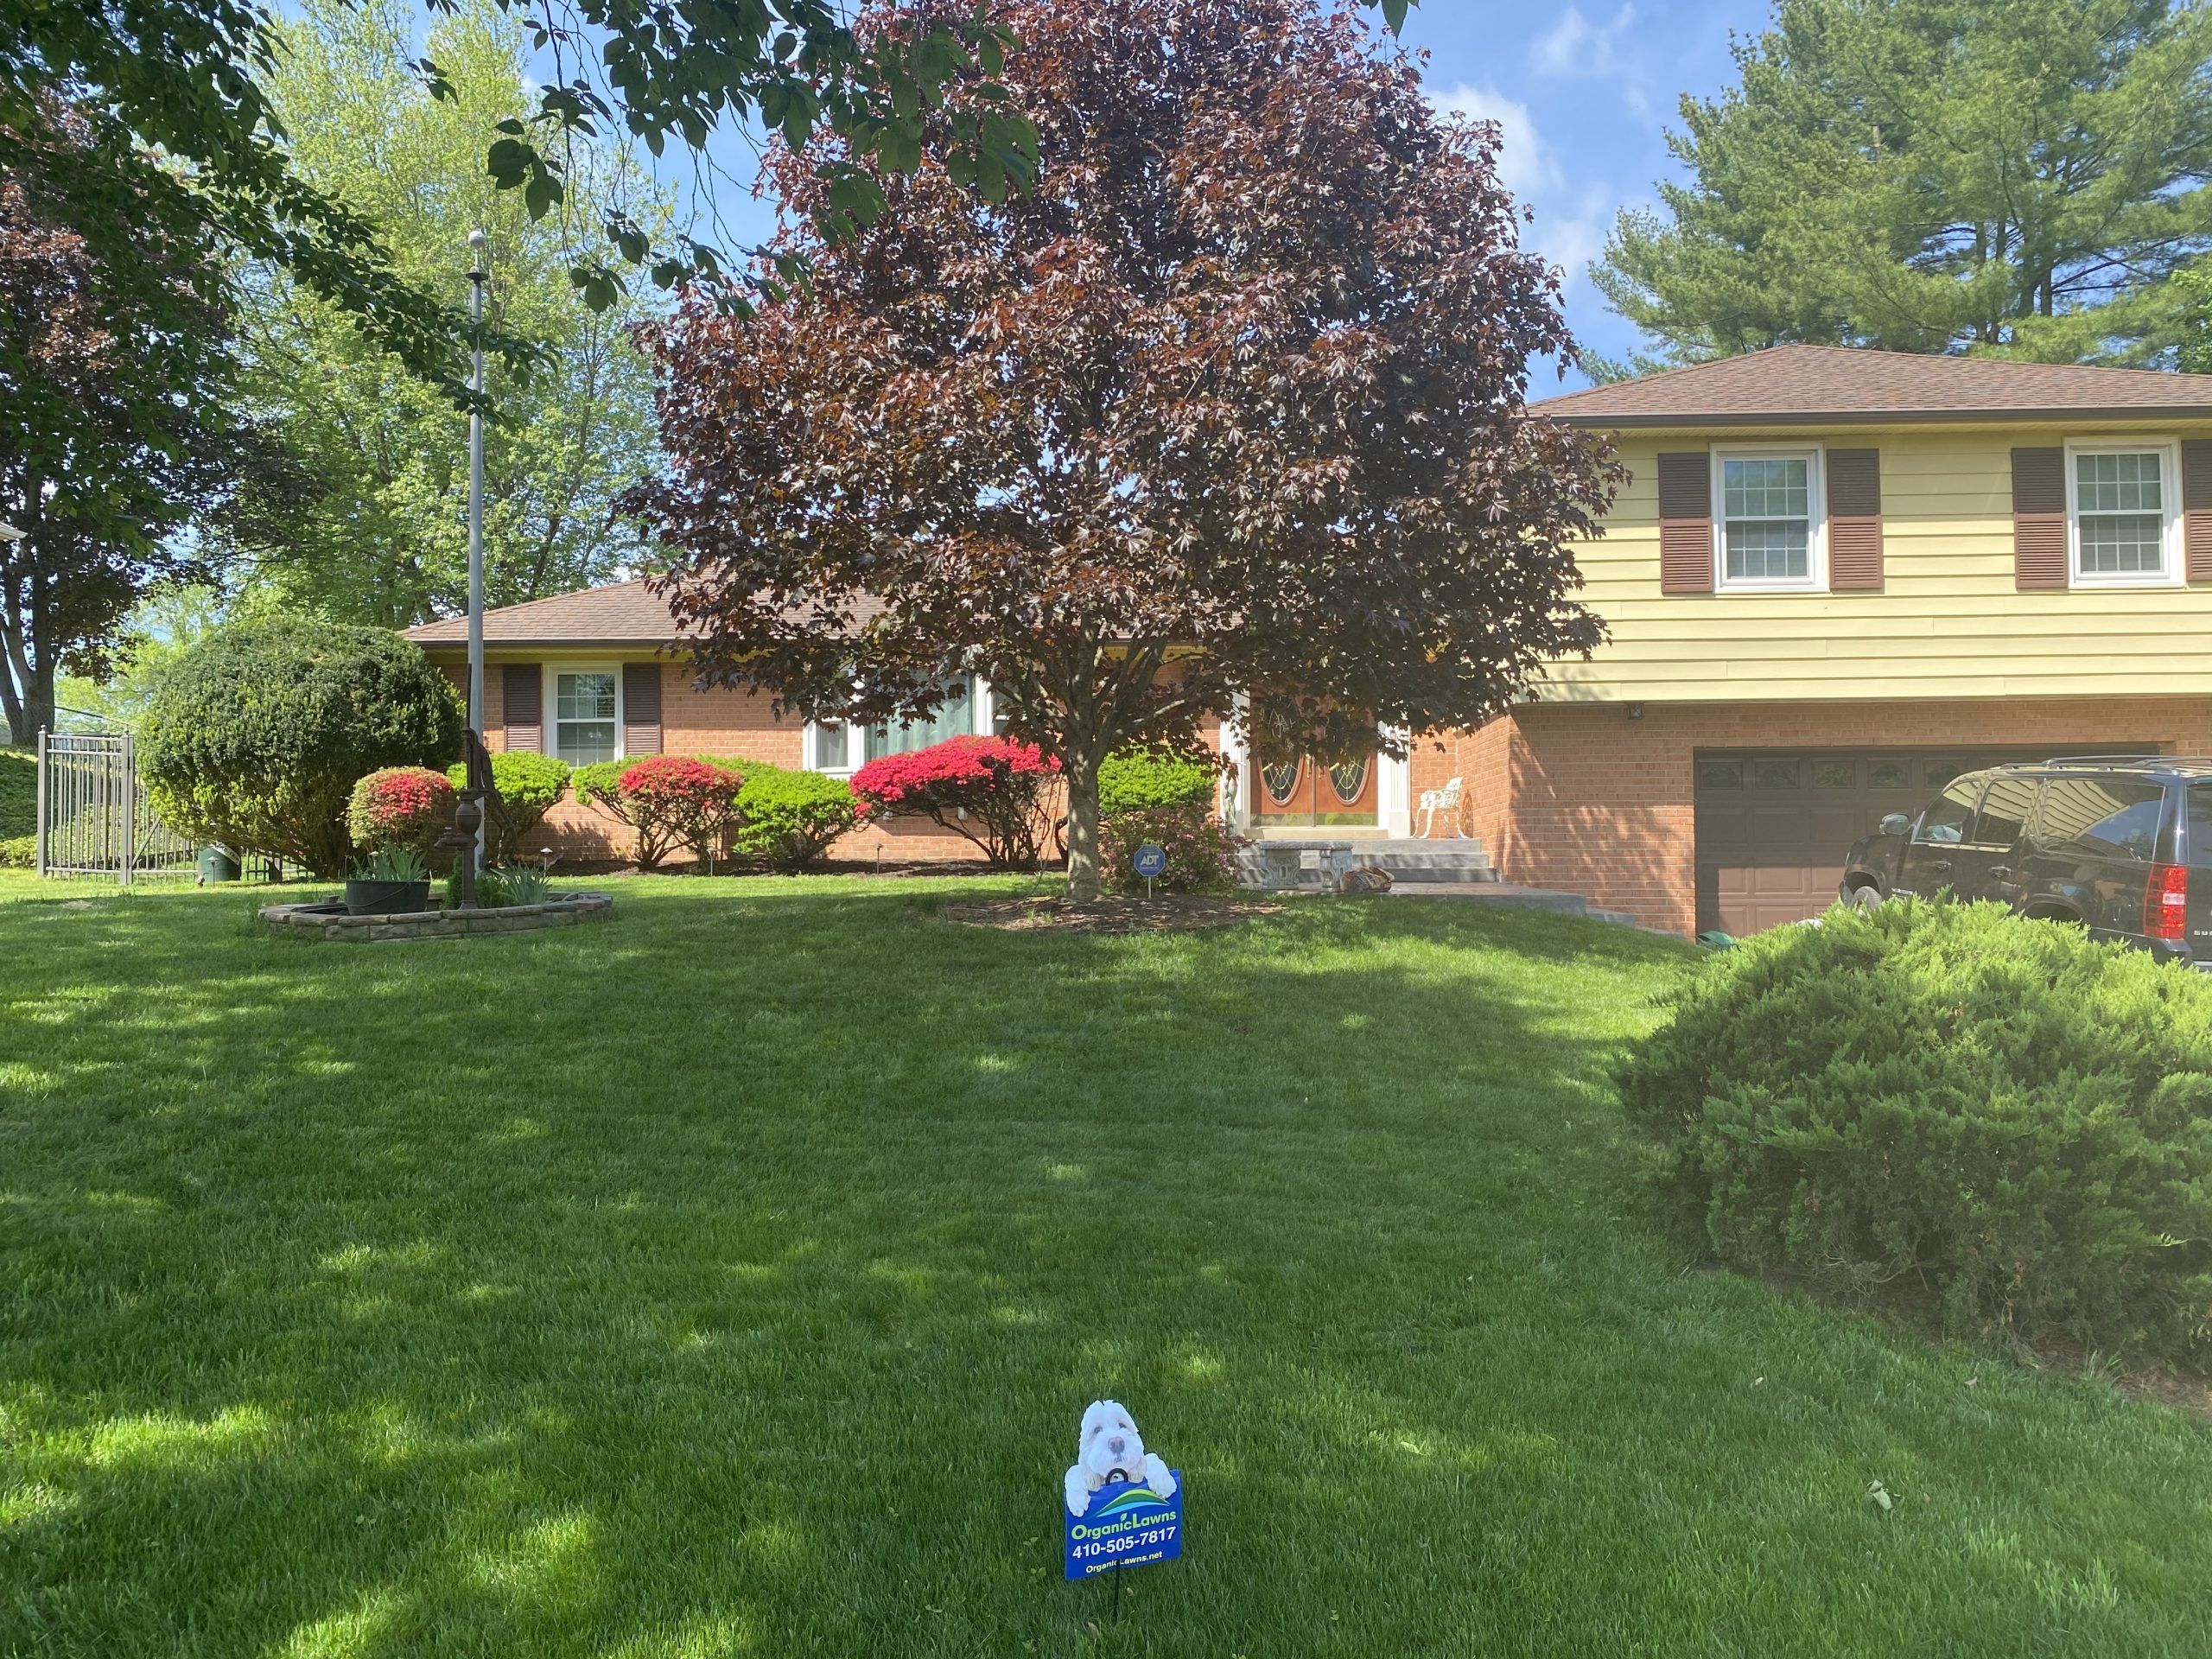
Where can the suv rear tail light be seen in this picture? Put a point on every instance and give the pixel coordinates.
(2165, 902)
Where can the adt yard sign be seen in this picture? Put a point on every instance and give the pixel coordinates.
(1151, 861)
(1127, 1525)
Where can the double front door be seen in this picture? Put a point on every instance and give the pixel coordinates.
(1304, 793)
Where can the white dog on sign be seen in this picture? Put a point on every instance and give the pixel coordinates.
(1110, 1446)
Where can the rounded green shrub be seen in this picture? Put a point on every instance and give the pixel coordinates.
(19, 853)
(1199, 854)
(18, 792)
(254, 736)
(599, 784)
(1956, 1106)
(1144, 780)
(528, 784)
(788, 820)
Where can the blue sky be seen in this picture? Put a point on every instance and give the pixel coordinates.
(1583, 95)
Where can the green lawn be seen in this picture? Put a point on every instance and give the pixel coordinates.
(730, 1278)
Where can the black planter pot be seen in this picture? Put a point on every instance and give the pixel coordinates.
(386, 898)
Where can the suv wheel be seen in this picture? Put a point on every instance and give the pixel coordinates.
(1867, 897)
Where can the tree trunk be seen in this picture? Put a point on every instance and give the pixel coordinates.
(1079, 772)
(19, 686)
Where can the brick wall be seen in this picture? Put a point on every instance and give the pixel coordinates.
(1477, 758)
(1598, 803)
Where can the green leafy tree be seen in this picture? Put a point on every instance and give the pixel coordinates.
(2193, 289)
(1936, 175)
(369, 522)
(194, 78)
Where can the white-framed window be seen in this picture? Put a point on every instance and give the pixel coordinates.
(2123, 512)
(586, 708)
(1769, 520)
(837, 748)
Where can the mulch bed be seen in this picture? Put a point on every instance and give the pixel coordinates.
(1168, 913)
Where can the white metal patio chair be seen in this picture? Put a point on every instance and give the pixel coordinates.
(1445, 800)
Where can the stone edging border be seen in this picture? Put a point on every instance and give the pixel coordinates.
(324, 922)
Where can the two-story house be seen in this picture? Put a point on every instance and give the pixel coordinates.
(1834, 580)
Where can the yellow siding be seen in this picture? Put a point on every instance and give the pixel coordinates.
(1948, 623)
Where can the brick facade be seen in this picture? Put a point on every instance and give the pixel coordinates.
(725, 721)
(1588, 799)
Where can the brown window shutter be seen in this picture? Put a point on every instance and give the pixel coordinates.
(2038, 518)
(640, 708)
(2196, 508)
(522, 693)
(1854, 520)
(1686, 523)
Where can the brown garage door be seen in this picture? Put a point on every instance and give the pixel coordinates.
(1773, 826)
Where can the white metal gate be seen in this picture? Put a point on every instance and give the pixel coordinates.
(94, 818)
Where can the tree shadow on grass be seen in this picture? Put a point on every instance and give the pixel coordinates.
(731, 1278)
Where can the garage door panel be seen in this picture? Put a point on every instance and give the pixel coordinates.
(1773, 826)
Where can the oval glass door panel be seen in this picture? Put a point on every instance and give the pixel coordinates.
(1349, 781)
(1280, 781)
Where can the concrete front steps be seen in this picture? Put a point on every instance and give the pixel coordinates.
(1440, 869)
(1316, 863)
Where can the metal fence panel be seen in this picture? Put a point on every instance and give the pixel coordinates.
(93, 815)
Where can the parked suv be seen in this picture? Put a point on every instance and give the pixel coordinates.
(2120, 844)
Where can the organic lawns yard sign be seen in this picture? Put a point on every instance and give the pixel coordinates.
(1123, 1505)
(1130, 1525)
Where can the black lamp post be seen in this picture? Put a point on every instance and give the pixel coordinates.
(464, 838)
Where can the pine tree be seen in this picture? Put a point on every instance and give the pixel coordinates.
(2007, 177)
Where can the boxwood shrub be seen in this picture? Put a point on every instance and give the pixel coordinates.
(1145, 781)
(1990, 1116)
(254, 736)
(18, 792)
(788, 820)
(528, 784)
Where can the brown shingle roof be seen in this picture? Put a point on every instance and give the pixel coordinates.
(1789, 385)
(621, 613)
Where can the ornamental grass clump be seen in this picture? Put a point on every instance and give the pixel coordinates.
(673, 800)
(996, 793)
(1950, 1107)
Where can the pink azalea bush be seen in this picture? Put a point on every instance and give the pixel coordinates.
(995, 792)
(674, 801)
(400, 806)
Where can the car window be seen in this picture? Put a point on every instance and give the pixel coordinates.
(2004, 811)
(1944, 824)
(2101, 817)
(2200, 826)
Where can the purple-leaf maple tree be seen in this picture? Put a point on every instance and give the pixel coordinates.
(1230, 405)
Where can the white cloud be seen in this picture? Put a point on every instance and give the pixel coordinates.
(1525, 165)
(1572, 221)
(1574, 48)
